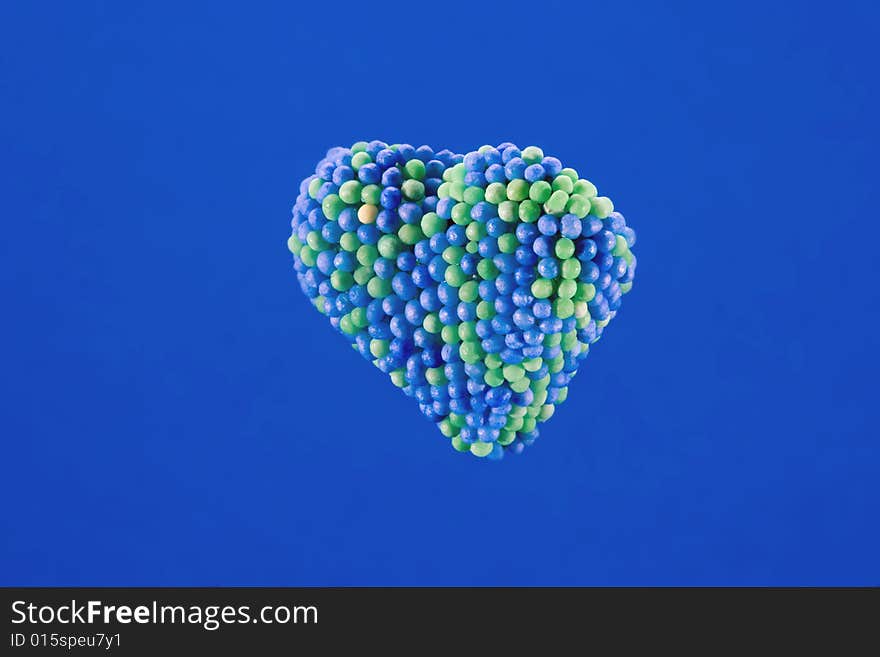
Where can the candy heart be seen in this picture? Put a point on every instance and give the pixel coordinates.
(476, 282)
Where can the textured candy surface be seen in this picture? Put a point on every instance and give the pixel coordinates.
(476, 282)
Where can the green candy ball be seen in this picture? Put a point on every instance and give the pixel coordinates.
(521, 385)
(363, 274)
(332, 205)
(473, 195)
(570, 173)
(508, 243)
(371, 194)
(540, 191)
(341, 280)
(461, 214)
(359, 159)
(379, 348)
(529, 211)
(514, 423)
(481, 449)
(601, 207)
(470, 351)
(367, 255)
(315, 241)
(308, 255)
(578, 205)
(563, 183)
(460, 445)
(359, 317)
(449, 334)
(468, 331)
(455, 276)
(586, 292)
(513, 372)
(315, 187)
(452, 255)
(389, 246)
(349, 242)
(508, 210)
(533, 364)
(566, 289)
(517, 190)
(476, 231)
(432, 323)
(563, 308)
(415, 169)
(435, 376)
(564, 248)
(347, 326)
(457, 421)
(506, 437)
(556, 203)
(542, 288)
(570, 269)
(469, 292)
(457, 173)
(432, 224)
(350, 192)
(456, 190)
(585, 188)
(485, 310)
(413, 190)
(487, 270)
(410, 234)
(496, 193)
(494, 377)
(532, 155)
(378, 288)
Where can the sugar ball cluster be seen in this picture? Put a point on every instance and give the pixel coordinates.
(477, 282)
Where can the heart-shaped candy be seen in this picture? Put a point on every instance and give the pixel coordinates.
(476, 282)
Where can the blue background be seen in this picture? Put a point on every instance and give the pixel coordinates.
(174, 413)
